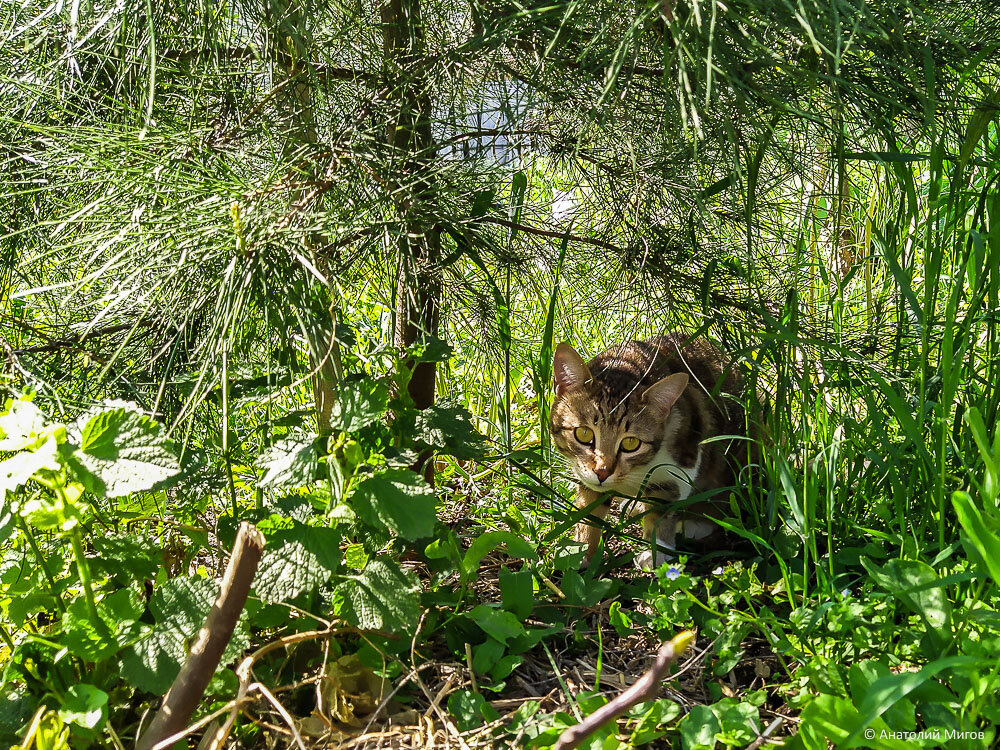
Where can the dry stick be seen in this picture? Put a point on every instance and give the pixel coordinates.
(243, 673)
(643, 689)
(187, 689)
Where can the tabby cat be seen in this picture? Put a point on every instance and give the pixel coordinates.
(634, 420)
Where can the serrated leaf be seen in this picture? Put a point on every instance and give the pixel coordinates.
(290, 463)
(95, 642)
(398, 499)
(122, 451)
(179, 606)
(447, 426)
(127, 556)
(358, 404)
(383, 597)
(296, 560)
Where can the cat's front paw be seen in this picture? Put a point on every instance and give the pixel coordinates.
(645, 561)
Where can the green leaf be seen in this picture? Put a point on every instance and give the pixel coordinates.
(22, 425)
(620, 621)
(652, 720)
(19, 468)
(429, 349)
(584, 591)
(292, 462)
(887, 691)
(398, 499)
(358, 404)
(295, 561)
(979, 534)
(383, 597)
(122, 451)
(127, 556)
(698, 729)
(717, 187)
(516, 592)
(86, 706)
(486, 543)
(470, 710)
(739, 721)
(179, 607)
(92, 641)
(498, 623)
(918, 587)
(481, 202)
(447, 426)
(487, 654)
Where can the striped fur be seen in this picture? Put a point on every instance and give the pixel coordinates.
(669, 394)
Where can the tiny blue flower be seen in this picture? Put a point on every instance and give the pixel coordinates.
(673, 573)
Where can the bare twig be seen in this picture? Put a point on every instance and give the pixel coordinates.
(645, 688)
(187, 689)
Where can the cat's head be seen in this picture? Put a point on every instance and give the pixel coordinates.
(610, 434)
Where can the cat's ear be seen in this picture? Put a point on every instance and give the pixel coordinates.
(663, 394)
(569, 369)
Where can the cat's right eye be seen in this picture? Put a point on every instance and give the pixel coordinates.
(584, 434)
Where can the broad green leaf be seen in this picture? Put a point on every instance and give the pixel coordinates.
(22, 425)
(517, 592)
(358, 404)
(121, 451)
(19, 468)
(429, 349)
(296, 560)
(739, 721)
(85, 706)
(95, 641)
(383, 597)
(483, 544)
(355, 556)
(887, 691)
(447, 426)
(698, 729)
(179, 607)
(481, 202)
(975, 528)
(128, 557)
(653, 717)
(290, 463)
(862, 675)
(584, 591)
(398, 499)
(470, 710)
(498, 623)
(620, 621)
(486, 654)
(918, 587)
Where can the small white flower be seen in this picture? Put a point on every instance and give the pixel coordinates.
(717, 571)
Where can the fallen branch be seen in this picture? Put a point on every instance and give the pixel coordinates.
(644, 689)
(187, 689)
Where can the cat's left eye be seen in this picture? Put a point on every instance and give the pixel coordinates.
(584, 434)
(630, 444)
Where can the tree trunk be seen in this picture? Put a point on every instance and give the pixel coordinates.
(418, 244)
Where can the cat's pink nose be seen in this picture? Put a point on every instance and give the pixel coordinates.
(602, 474)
